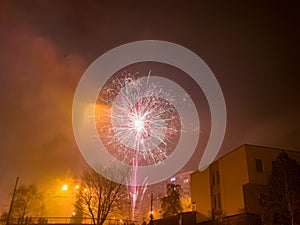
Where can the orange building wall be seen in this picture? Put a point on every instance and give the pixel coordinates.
(233, 173)
(200, 192)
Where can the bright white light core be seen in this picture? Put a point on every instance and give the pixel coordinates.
(139, 124)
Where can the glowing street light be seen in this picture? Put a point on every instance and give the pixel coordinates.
(64, 187)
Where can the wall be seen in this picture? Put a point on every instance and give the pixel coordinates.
(233, 174)
(200, 193)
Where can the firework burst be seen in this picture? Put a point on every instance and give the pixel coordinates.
(139, 125)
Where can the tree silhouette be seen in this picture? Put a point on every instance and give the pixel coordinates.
(28, 202)
(79, 211)
(3, 218)
(282, 201)
(171, 203)
(98, 196)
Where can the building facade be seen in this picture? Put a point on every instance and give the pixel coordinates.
(234, 184)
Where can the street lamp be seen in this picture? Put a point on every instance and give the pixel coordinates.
(64, 187)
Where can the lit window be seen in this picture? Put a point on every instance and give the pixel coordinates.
(259, 165)
(173, 179)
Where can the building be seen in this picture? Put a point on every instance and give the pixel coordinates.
(231, 186)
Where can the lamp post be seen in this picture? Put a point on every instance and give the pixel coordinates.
(151, 207)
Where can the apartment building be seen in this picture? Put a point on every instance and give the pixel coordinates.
(234, 183)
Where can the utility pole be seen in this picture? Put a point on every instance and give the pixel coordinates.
(12, 201)
(151, 213)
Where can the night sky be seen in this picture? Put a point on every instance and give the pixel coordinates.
(45, 47)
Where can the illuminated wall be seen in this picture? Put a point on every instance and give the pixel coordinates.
(233, 174)
(200, 193)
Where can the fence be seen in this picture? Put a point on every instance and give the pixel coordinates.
(63, 220)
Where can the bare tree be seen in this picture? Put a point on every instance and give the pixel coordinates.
(3, 218)
(98, 196)
(79, 211)
(28, 202)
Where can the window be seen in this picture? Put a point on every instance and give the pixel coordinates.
(259, 165)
